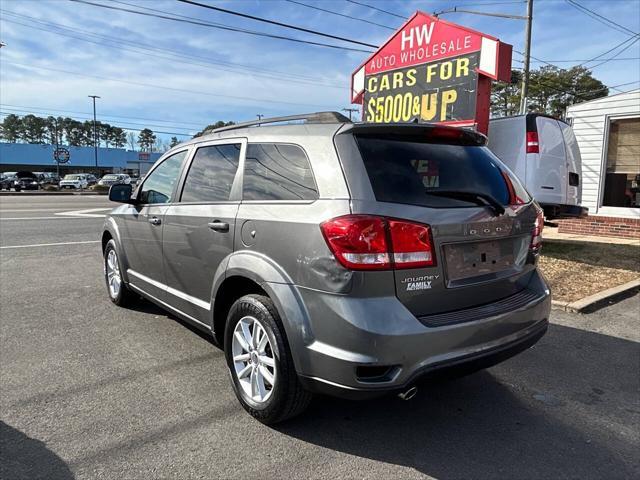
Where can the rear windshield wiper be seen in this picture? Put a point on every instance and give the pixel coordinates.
(482, 199)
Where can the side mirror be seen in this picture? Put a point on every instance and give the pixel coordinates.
(121, 193)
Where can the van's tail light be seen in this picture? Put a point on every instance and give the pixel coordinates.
(536, 235)
(367, 242)
(533, 145)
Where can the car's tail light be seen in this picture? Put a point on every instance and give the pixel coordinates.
(536, 235)
(410, 244)
(367, 242)
(533, 145)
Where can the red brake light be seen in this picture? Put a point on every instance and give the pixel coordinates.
(533, 145)
(359, 242)
(367, 242)
(411, 244)
(536, 235)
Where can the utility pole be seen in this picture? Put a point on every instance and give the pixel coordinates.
(56, 152)
(527, 58)
(350, 111)
(95, 131)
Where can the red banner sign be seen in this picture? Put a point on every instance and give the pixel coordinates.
(431, 70)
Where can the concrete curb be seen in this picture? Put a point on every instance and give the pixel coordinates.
(44, 193)
(593, 302)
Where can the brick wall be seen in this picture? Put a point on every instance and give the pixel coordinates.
(602, 226)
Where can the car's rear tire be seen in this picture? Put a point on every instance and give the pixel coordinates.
(118, 291)
(262, 373)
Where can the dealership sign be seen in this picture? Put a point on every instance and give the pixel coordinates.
(61, 155)
(431, 70)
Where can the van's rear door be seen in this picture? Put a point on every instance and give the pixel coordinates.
(547, 171)
(574, 165)
(482, 255)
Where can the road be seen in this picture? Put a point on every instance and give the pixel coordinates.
(90, 390)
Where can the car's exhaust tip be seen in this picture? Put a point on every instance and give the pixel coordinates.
(408, 394)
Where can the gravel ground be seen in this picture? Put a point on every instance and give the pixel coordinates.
(577, 270)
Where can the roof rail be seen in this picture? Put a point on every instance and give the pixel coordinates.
(317, 117)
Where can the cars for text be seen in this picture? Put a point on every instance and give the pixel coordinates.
(25, 180)
(334, 257)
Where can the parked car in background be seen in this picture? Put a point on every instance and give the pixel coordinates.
(25, 180)
(334, 257)
(114, 178)
(76, 181)
(543, 152)
(140, 179)
(91, 179)
(47, 178)
(6, 180)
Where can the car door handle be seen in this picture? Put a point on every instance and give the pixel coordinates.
(219, 226)
(155, 221)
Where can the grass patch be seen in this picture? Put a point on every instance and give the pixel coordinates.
(577, 270)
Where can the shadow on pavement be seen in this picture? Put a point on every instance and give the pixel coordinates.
(570, 413)
(25, 457)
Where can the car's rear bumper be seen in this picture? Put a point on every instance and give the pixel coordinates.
(385, 339)
(553, 211)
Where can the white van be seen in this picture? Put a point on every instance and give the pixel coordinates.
(543, 152)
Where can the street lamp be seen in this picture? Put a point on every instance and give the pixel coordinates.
(95, 131)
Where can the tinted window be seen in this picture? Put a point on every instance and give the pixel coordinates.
(277, 172)
(159, 184)
(405, 171)
(211, 174)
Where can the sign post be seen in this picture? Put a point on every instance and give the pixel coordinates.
(431, 70)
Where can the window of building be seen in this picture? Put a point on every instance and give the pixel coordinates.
(622, 178)
(211, 174)
(277, 172)
(158, 186)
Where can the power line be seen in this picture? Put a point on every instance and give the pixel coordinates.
(140, 84)
(601, 18)
(152, 47)
(614, 57)
(586, 61)
(191, 20)
(340, 14)
(123, 128)
(377, 9)
(172, 55)
(279, 24)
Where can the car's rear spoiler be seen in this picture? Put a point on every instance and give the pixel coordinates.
(429, 132)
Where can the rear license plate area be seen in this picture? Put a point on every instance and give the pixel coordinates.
(483, 261)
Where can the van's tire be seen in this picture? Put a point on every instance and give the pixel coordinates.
(124, 296)
(286, 398)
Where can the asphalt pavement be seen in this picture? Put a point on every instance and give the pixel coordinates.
(90, 390)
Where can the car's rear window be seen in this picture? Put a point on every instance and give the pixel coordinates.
(406, 170)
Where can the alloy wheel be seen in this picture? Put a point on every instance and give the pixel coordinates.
(253, 359)
(114, 280)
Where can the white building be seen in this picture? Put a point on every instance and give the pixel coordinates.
(608, 134)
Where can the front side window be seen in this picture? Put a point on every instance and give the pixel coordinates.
(211, 174)
(158, 185)
(277, 172)
(622, 180)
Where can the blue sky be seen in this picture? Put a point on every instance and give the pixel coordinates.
(209, 74)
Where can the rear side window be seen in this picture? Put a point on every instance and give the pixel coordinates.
(277, 172)
(211, 174)
(406, 170)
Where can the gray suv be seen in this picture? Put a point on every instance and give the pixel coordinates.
(326, 256)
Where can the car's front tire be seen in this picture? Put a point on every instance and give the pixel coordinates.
(119, 293)
(262, 373)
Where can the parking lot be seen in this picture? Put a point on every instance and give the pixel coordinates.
(92, 390)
